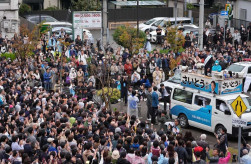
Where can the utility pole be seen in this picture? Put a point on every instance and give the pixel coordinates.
(175, 12)
(201, 24)
(137, 18)
(104, 23)
(185, 8)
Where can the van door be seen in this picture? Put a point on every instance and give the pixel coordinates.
(221, 116)
(202, 114)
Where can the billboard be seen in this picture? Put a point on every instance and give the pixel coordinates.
(202, 83)
(87, 19)
(211, 85)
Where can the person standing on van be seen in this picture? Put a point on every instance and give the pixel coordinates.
(208, 63)
(222, 141)
(155, 104)
(165, 95)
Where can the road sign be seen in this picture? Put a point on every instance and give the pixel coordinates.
(239, 106)
(239, 122)
(224, 13)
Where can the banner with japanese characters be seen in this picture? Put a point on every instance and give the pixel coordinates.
(200, 82)
(231, 86)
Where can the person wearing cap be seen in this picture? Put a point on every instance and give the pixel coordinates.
(197, 153)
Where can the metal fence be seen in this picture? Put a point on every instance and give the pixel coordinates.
(130, 14)
(115, 15)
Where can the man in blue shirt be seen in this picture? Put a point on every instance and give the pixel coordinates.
(155, 104)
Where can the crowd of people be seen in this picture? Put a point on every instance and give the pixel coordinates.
(50, 111)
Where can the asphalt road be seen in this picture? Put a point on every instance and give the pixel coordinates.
(233, 142)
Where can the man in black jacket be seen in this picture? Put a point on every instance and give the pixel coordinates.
(122, 159)
(208, 63)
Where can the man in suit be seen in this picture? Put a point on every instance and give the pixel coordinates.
(208, 62)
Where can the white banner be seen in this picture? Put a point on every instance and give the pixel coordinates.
(87, 19)
(239, 122)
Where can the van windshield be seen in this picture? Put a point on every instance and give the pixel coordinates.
(235, 68)
(247, 102)
(150, 21)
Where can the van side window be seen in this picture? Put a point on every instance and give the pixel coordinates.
(221, 105)
(201, 101)
(249, 69)
(183, 96)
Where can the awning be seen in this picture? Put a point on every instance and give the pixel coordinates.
(141, 3)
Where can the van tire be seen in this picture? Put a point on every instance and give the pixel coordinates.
(183, 121)
(218, 129)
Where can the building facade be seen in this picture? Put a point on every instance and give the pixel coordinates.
(9, 18)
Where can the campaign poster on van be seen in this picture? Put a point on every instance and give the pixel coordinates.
(87, 19)
(200, 83)
(231, 86)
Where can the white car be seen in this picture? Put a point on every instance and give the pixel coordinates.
(148, 24)
(241, 67)
(68, 30)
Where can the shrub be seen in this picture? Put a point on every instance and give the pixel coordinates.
(52, 8)
(24, 9)
(190, 6)
(115, 94)
(126, 36)
(7, 55)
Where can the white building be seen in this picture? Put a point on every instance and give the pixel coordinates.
(9, 18)
(242, 10)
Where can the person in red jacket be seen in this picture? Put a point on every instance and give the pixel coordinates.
(128, 67)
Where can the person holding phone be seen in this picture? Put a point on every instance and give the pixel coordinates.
(222, 140)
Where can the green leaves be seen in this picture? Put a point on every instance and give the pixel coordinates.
(126, 36)
(86, 5)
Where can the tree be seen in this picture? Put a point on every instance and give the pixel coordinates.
(25, 47)
(126, 36)
(102, 75)
(86, 5)
(24, 9)
(175, 38)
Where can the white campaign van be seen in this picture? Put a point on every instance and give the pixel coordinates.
(205, 102)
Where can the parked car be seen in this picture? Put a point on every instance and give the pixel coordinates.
(36, 18)
(163, 22)
(68, 30)
(196, 31)
(147, 25)
(243, 69)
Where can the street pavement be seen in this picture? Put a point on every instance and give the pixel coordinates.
(233, 142)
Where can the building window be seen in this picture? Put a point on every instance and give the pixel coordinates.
(243, 14)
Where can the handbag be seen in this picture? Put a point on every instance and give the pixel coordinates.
(138, 70)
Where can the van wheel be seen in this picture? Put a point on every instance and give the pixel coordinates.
(183, 121)
(218, 129)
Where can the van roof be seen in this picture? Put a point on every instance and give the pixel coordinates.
(222, 97)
